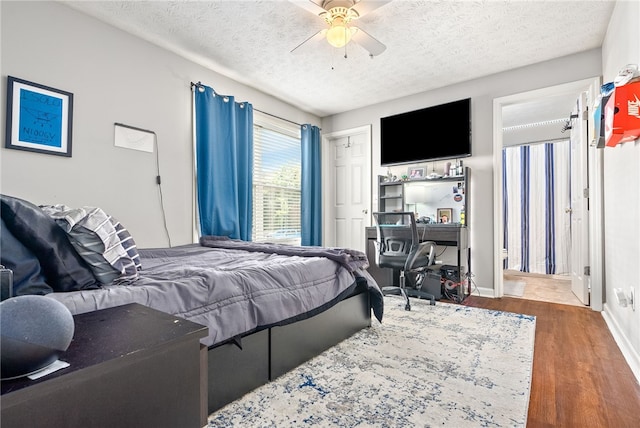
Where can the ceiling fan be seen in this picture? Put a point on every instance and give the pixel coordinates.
(338, 15)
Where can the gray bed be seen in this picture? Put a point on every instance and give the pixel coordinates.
(266, 313)
(267, 307)
(231, 291)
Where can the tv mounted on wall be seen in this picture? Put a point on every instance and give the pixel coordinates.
(433, 133)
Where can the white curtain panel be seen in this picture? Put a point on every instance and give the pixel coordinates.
(537, 210)
(537, 226)
(513, 217)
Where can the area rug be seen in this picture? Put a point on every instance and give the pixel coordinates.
(513, 288)
(445, 365)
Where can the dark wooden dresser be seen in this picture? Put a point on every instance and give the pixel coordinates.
(130, 366)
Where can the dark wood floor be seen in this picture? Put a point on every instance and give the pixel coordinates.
(580, 378)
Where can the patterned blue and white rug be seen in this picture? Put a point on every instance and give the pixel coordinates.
(445, 365)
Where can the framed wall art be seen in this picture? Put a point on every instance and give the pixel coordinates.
(444, 215)
(39, 118)
(415, 173)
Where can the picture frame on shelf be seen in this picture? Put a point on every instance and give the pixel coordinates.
(39, 118)
(415, 173)
(443, 215)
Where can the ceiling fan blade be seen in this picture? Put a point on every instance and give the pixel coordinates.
(310, 5)
(368, 42)
(319, 35)
(365, 6)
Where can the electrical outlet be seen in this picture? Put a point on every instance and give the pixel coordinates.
(624, 299)
(621, 298)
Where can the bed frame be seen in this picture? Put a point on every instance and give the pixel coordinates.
(269, 353)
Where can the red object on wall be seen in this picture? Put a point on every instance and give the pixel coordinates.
(622, 115)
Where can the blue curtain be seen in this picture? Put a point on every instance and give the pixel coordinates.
(224, 158)
(311, 200)
(549, 211)
(524, 207)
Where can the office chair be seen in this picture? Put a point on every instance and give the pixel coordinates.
(398, 248)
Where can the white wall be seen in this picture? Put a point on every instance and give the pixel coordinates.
(482, 92)
(622, 194)
(114, 77)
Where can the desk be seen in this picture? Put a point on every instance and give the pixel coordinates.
(450, 235)
(130, 366)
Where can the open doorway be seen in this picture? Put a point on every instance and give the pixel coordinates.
(531, 116)
(537, 219)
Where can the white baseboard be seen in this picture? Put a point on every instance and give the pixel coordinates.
(482, 292)
(630, 355)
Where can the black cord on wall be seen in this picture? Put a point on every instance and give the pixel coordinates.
(159, 183)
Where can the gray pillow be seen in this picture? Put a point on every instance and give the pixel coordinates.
(101, 241)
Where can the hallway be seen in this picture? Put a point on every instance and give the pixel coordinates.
(545, 288)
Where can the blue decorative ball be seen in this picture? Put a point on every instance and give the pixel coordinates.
(35, 330)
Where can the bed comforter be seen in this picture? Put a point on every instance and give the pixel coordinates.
(232, 287)
(231, 291)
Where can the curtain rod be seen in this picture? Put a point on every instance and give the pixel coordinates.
(277, 117)
(263, 112)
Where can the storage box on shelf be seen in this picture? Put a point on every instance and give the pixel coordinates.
(622, 115)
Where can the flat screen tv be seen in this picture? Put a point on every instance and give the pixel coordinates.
(433, 133)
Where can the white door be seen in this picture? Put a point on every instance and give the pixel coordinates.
(348, 186)
(579, 202)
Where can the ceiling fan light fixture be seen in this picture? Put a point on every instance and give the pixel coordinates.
(339, 16)
(339, 34)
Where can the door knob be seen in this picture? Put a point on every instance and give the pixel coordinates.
(567, 210)
(365, 211)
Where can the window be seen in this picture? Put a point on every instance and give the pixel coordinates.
(276, 180)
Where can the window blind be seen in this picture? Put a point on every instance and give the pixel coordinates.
(276, 181)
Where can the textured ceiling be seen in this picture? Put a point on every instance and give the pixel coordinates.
(430, 44)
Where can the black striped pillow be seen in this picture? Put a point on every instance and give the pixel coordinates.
(127, 242)
(102, 241)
